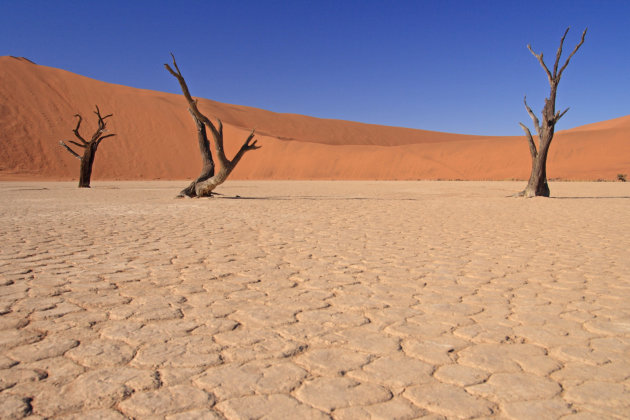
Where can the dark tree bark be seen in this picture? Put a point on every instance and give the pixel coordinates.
(90, 147)
(537, 185)
(207, 163)
(209, 179)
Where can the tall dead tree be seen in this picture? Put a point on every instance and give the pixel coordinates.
(537, 185)
(89, 146)
(209, 178)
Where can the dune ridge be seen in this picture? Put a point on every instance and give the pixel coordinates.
(156, 140)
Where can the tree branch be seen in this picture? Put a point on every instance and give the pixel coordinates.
(247, 146)
(218, 146)
(559, 53)
(100, 139)
(560, 114)
(101, 120)
(72, 152)
(98, 114)
(202, 140)
(76, 130)
(77, 144)
(533, 116)
(251, 146)
(530, 141)
(192, 103)
(96, 137)
(542, 63)
(180, 79)
(106, 136)
(577, 47)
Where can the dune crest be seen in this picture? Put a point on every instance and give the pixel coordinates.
(156, 139)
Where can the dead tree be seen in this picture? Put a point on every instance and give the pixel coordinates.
(537, 185)
(209, 178)
(89, 152)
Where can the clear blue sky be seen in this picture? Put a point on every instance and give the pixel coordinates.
(454, 66)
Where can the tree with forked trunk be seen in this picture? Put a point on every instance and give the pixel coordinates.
(209, 178)
(89, 146)
(537, 185)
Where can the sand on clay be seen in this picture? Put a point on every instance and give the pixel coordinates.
(314, 300)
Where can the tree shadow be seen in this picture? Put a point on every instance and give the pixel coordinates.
(312, 198)
(621, 197)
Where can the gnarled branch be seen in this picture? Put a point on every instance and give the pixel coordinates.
(101, 119)
(76, 130)
(247, 146)
(96, 137)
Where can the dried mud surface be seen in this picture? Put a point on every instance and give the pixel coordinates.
(341, 300)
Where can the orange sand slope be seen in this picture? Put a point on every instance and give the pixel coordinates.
(156, 139)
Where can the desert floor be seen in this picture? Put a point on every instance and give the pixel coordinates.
(344, 300)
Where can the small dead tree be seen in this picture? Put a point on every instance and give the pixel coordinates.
(537, 185)
(209, 179)
(89, 152)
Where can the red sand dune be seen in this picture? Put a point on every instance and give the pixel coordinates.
(156, 139)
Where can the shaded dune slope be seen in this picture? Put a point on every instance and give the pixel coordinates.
(156, 139)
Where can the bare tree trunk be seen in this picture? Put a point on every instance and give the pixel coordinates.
(87, 160)
(207, 163)
(537, 185)
(204, 187)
